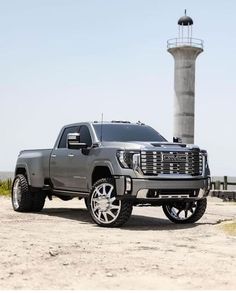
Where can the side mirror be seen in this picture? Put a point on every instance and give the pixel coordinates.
(177, 139)
(73, 141)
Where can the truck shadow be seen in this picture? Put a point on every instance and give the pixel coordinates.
(141, 223)
(136, 222)
(75, 214)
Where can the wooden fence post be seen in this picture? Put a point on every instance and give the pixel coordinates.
(217, 184)
(225, 185)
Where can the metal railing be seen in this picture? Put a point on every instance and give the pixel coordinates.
(183, 42)
(223, 188)
(223, 183)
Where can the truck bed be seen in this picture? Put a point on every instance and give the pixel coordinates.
(36, 163)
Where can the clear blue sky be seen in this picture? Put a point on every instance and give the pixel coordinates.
(69, 61)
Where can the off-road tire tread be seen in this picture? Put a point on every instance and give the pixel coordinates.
(26, 199)
(125, 212)
(30, 201)
(199, 212)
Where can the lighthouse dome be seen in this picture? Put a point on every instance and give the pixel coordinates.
(185, 20)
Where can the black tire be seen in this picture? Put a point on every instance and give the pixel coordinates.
(23, 200)
(38, 200)
(104, 208)
(196, 210)
(21, 196)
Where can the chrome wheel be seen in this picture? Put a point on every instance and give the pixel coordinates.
(182, 211)
(185, 212)
(21, 196)
(16, 193)
(104, 205)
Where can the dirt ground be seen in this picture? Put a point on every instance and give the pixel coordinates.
(60, 248)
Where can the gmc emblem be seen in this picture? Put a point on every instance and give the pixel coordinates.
(174, 158)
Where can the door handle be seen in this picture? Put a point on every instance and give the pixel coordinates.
(71, 155)
(53, 156)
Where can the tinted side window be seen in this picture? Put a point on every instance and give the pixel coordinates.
(85, 135)
(62, 143)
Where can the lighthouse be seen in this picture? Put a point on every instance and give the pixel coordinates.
(185, 50)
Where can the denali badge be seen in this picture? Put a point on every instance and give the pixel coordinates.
(174, 158)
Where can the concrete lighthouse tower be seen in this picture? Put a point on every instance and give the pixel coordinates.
(185, 50)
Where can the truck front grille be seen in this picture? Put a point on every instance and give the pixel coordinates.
(155, 163)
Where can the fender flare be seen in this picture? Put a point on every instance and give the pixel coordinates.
(25, 167)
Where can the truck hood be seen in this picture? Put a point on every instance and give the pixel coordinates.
(154, 146)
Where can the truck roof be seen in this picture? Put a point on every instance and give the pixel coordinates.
(106, 122)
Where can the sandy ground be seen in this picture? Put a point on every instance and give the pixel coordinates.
(60, 248)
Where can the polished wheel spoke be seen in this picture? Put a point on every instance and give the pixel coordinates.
(99, 214)
(110, 192)
(182, 212)
(96, 207)
(105, 216)
(114, 207)
(112, 200)
(98, 192)
(105, 206)
(111, 214)
(96, 200)
(179, 213)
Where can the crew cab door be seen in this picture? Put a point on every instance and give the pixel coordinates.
(68, 167)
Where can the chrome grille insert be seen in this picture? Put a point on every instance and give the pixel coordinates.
(186, 163)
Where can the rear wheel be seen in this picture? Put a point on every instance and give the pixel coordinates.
(21, 197)
(185, 212)
(38, 201)
(23, 200)
(104, 208)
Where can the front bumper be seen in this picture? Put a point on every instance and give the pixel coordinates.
(162, 188)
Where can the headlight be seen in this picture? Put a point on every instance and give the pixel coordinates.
(205, 155)
(129, 159)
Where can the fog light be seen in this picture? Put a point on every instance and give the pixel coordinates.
(128, 184)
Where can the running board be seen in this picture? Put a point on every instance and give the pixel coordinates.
(70, 193)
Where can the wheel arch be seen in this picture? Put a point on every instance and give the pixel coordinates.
(23, 170)
(100, 172)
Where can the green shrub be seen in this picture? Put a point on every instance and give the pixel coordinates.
(5, 187)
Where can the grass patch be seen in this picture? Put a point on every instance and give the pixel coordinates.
(5, 187)
(230, 228)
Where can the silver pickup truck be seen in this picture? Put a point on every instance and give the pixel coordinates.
(114, 166)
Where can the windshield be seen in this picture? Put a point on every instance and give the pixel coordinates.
(127, 132)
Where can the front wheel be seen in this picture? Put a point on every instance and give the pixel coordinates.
(185, 212)
(104, 208)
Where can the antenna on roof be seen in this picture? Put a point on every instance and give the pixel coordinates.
(101, 127)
